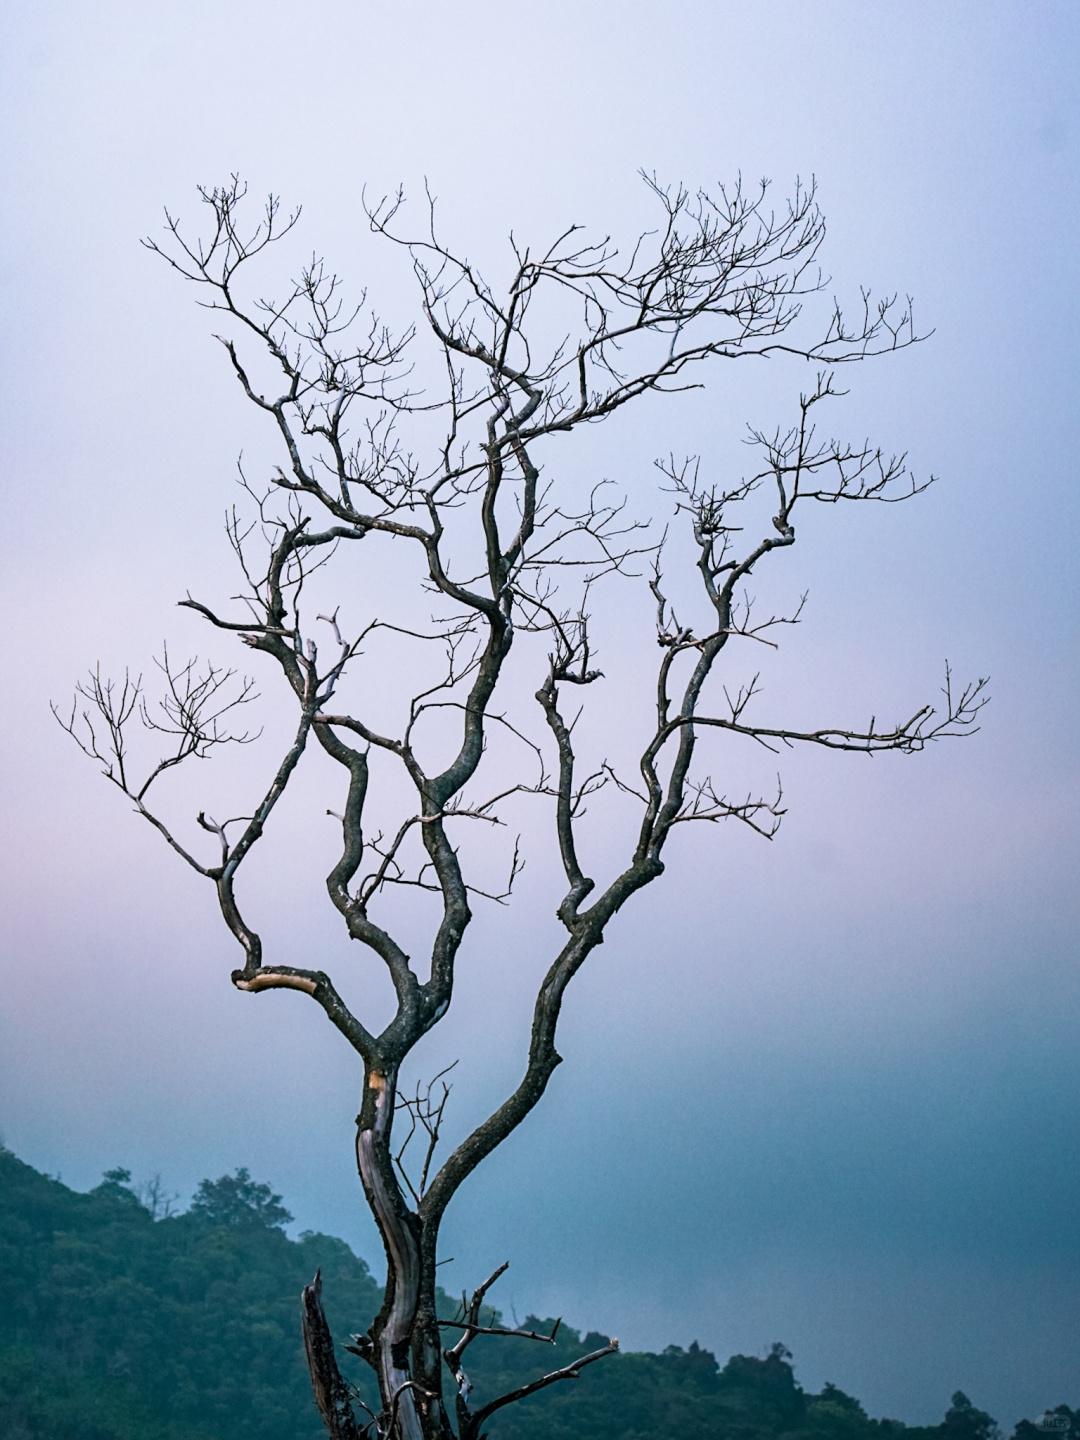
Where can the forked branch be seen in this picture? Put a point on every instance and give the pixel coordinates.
(510, 553)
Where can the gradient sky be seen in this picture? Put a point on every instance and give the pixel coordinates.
(823, 1091)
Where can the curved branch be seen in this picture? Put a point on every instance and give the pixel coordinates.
(568, 1372)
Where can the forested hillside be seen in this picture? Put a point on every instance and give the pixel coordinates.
(117, 1323)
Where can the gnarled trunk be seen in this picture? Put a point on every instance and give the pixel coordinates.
(406, 1351)
(722, 277)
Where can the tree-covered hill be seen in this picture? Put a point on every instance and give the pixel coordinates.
(116, 1324)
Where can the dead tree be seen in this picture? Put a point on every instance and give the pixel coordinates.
(509, 554)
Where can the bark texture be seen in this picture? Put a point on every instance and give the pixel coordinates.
(511, 555)
(330, 1390)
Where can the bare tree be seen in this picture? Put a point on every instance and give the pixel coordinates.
(578, 332)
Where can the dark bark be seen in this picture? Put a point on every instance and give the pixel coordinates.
(721, 278)
(330, 1390)
(470, 1428)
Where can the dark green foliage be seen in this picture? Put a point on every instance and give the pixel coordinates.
(117, 1326)
(1060, 1423)
(964, 1422)
(677, 1395)
(235, 1200)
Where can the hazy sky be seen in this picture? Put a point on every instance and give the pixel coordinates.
(823, 1091)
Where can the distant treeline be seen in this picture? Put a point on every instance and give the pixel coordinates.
(120, 1322)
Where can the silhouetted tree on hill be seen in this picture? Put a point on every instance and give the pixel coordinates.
(114, 1326)
(445, 443)
(239, 1200)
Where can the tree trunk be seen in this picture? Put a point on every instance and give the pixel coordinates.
(406, 1347)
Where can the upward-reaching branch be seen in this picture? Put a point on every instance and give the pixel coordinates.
(511, 551)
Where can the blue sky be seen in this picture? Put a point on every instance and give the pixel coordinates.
(850, 1055)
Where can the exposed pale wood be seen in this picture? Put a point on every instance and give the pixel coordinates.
(721, 277)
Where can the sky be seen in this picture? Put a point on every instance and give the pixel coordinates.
(821, 1090)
